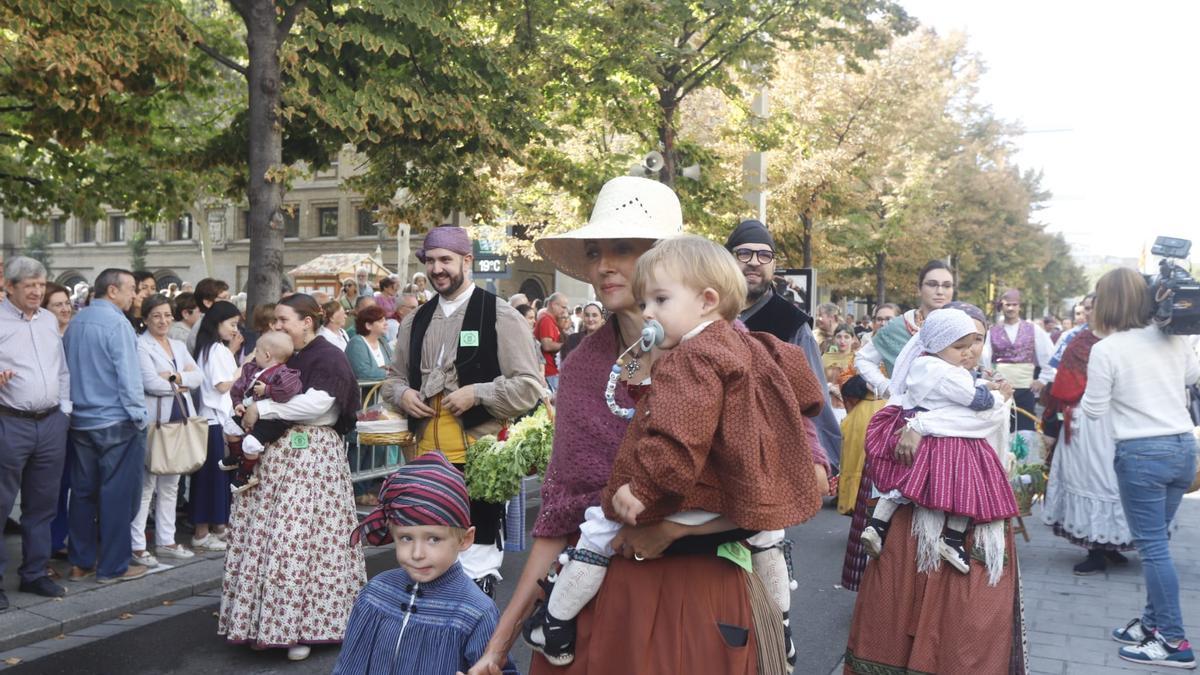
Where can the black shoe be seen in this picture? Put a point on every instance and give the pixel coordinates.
(1094, 564)
(951, 549)
(551, 637)
(3, 601)
(487, 584)
(229, 463)
(44, 587)
(1116, 557)
(60, 554)
(788, 644)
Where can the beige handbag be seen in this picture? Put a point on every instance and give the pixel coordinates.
(176, 447)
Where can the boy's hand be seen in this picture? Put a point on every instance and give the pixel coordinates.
(627, 506)
(260, 388)
(239, 409)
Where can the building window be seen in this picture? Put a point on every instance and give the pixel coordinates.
(291, 220)
(116, 228)
(181, 229)
(366, 222)
(58, 230)
(245, 230)
(327, 221)
(87, 232)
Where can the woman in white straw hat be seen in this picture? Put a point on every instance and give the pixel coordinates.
(653, 614)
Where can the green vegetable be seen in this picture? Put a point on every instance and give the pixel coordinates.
(495, 468)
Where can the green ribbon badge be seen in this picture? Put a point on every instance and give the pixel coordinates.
(736, 553)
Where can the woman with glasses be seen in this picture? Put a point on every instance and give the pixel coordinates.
(874, 361)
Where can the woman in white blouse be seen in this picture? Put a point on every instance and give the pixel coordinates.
(216, 343)
(1138, 376)
(334, 329)
(168, 375)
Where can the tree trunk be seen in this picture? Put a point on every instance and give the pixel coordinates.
(666, 136)
(880, 278)
(265, 194)
(806, 228)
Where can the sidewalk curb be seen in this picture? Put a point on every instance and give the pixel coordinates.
(97, 604)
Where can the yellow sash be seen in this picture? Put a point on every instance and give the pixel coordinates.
(1019, 375)
(444, 434)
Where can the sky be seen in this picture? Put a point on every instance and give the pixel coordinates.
(1109, 96)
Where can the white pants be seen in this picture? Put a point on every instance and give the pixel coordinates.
(597, 532)
(167, 488)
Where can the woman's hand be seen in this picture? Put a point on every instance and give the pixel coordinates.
(250, 417)
(627, 506)
(906, 448)
(235, 345)
(646, 541)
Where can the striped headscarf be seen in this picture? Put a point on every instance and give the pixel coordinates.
(426, 491)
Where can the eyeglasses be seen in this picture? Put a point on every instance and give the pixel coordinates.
(945, 285)
(745, 255)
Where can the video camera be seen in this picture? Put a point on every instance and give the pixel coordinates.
(1174, 294)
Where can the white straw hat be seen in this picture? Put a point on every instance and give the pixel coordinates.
(626, 208)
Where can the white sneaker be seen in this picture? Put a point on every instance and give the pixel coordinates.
(299, 652)
(145, 559)
(178, 551)
(208, 542)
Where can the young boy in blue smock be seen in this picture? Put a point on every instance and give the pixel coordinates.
(427, 617)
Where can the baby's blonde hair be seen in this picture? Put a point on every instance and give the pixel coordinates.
(696, 263)
(278, 344)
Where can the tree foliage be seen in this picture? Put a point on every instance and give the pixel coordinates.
(896, 162)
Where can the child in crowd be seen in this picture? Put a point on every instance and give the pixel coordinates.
(960, 477)
(716, 435)
(264, 377)
(427, 616)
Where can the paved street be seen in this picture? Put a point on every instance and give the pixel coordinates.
(1066, 615)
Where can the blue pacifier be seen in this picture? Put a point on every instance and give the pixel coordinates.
(652, 335)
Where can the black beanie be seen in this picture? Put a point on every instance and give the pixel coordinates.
(750, 232)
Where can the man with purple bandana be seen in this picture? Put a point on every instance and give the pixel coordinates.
(462, 367)
(1019, 351)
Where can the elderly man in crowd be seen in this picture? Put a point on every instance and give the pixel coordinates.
(35, 401)
(108, 430)
(550, 337)
(754, 248)
(462, 365)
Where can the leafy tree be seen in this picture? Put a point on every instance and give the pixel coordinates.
(95, 99)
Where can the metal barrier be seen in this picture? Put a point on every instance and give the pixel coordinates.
(370, 462)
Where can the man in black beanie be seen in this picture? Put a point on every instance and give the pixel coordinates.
(754, 249)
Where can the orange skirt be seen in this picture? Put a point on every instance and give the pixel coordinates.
(943, 622)
(677, 614)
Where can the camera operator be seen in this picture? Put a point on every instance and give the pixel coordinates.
(1139, 375)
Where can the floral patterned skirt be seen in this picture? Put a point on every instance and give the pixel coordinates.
(291, 575)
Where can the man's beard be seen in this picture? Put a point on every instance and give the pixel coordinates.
(754, 292)
(456, 283)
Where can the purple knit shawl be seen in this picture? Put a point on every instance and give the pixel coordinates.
(586, 435)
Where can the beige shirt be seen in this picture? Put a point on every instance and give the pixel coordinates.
(516, 391)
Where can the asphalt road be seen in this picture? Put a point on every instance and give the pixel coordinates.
(188, 643)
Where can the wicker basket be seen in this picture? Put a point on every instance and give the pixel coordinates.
(402, 438)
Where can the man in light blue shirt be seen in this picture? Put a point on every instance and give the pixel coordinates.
(108, 429)
(35, 399)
